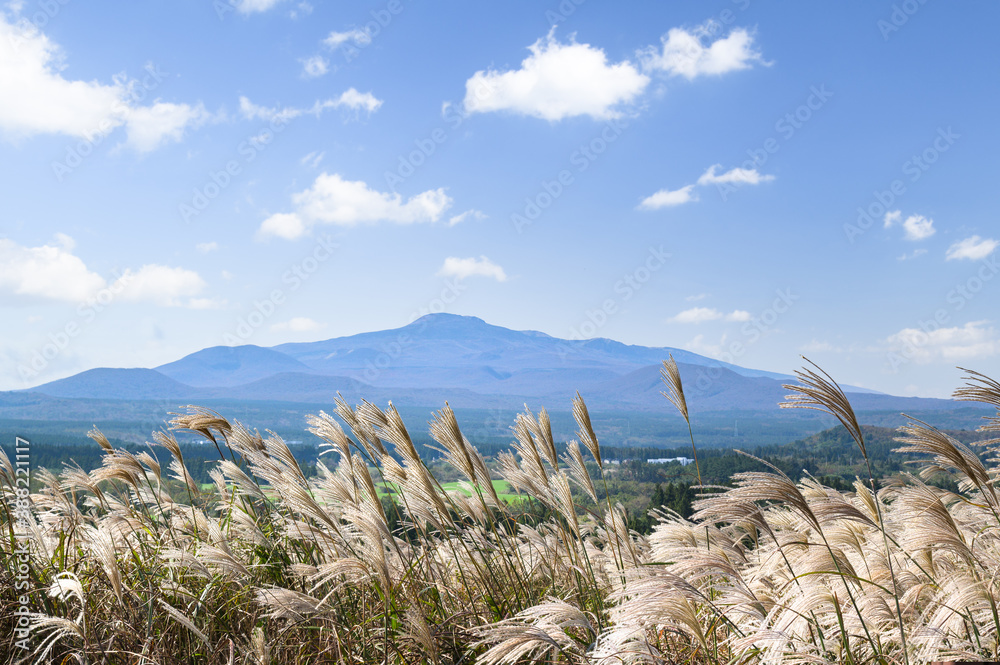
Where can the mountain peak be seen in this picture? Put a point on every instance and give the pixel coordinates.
(446, 319)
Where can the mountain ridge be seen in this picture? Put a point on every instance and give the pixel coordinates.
(442, 357)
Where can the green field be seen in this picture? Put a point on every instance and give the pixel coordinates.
(503, 490)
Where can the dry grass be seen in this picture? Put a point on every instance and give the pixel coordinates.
(769, 570)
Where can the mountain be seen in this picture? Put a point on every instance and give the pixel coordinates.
(230, 366)
(460, 359)
(108, 383)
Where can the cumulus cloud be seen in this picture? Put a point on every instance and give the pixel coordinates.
(912, 255)
(285, 225)
(314, 67)
(206, 247)
(349, 99)
(557, 81)
(357, 101)
(465, 216)
(915, 227)
(703, 314)
(36, 97)
(48, 272)
(975, 339)
(161, 285)
(297, 324)
(336, 39)
(737, 176)
(150, 127)
(685, 53)
(666, 198)
(819, 346)
(255, 6)
(333, 200)
(471, 267)
(972, 248)
(53, 272)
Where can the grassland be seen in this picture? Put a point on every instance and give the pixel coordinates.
(132, 562)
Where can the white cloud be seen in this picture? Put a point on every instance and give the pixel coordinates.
(699, 345)
(737, 176)
(350, 99)
(557, 81)
(467, 215)
(462, 268)
(703, 314)
(912, 255)
(253, 6)
(36, 97)
(684, 53)
(49, 272)
(916, 227)
(315, 66)
(333, 200)
(666, 198)
(973, 340)
(150, 127)
(335, 39)
(696, 297)
(817, 346)
(303, 9)
(357, 101)
(283, 225)
(297, 324)
(972, 248)
(162, 285)
(206, 247)
(53, 272)
(313, 159)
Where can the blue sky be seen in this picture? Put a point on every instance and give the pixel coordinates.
(751, 181)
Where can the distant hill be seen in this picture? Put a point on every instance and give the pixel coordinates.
(230, 366)
(107, 383)
(462, 360)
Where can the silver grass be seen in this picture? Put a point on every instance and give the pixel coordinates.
(671, 377)
(586, 432)
(819, 392)
(180, 618)
(578, 470)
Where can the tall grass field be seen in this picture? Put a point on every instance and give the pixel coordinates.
(375, 561)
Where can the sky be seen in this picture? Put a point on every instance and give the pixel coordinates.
(751, 181)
